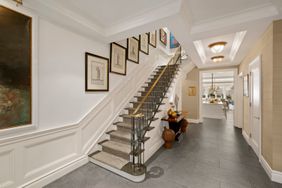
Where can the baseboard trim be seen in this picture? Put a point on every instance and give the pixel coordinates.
(194, 121)
(274, 175)
(246, 136)
(57, 173)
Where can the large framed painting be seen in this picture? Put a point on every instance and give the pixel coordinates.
(153, 38)
(15, 69)
(96, 73)
(118, 59)
(144, 43)
(163, 36)
(133, 49)
(173, 42)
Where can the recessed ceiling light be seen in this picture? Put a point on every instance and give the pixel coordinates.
(217, 59)
(217, 47)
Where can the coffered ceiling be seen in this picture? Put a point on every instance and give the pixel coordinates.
(191, 21)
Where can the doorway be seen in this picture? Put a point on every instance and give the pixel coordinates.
(218, 94)
(255, 105)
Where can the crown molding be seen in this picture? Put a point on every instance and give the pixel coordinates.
(252, 14)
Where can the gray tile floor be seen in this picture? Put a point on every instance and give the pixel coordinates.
(211, 155)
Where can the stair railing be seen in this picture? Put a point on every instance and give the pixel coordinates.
(144, 113)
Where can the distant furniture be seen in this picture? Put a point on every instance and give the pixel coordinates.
(177, 126)
(213, 110)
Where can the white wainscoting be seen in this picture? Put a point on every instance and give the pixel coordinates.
(40, 157)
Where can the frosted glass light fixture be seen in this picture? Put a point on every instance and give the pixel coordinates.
(217, 59)
(217, 47)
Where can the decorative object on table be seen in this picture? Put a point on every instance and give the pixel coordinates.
(192, 91)
(153, 39)
(15, 69)
(169, 137)
(96, 73)
(246, 85)
(133, 50)
(144, 43)
(163, 36)
(173, 42)
(118, 59)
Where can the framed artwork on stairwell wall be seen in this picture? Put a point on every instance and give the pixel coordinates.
(144, 43)
(153, 39)
(133, 50)
(118, 59)
(163, 36)
(96, 73)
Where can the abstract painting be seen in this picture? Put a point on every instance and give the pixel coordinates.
(163, 36)
(133, 50)
(15, 69)
(173, 42)
(96, 73)
(144, 43)
(118, 59)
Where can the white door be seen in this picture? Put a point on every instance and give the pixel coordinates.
(255, 105)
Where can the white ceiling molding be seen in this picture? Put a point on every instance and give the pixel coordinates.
(164, 11)
(248, 15)
(239, 37)
(201, 50)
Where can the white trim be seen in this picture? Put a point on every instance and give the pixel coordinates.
(57, 173)
(119, 172)
(193, 121)
(274, 175)
(252, 142)
(246, 136)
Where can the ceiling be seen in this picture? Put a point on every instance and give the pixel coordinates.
(189, 20)
(110, 12)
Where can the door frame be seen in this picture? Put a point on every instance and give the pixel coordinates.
(256, 60)
(235, 73)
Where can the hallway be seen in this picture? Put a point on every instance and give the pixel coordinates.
(212, 155)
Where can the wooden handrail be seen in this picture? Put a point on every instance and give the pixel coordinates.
(155, 83)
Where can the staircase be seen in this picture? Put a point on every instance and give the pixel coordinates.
(123, 150)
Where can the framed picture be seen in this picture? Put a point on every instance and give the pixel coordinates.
(163, 36)
(153, 38)
(16, 69)
(133, 50)
(118, 59)
(144, 43)
(173, 42)
(246, 85)
(192, 91)
(96, 73)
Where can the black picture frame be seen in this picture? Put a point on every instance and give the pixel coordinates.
(124, 61)
(105, 75)
(146, 43)
(129, 50)
(153, 42)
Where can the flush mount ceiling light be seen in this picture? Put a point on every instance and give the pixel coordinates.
(217, 59)
(217, 47)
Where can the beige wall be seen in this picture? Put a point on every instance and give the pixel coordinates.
(191, 103)
(268, 48)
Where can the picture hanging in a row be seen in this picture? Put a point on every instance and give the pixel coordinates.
(97, 68)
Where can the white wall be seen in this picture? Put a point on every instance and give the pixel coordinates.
(62, 96)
